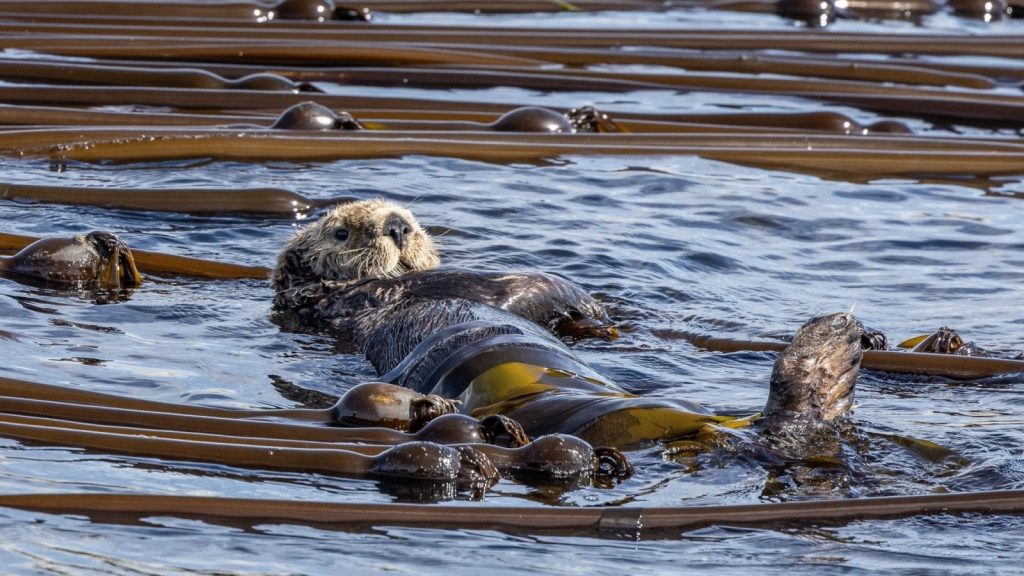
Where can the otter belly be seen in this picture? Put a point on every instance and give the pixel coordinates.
(508, 369)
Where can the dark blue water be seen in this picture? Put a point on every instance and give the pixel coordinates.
(670, 244)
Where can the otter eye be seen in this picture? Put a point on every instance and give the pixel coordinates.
(341, 234)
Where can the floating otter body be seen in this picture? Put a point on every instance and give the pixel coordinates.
(481, 339)
(94, 260)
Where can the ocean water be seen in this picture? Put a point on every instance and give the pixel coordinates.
(670, 245)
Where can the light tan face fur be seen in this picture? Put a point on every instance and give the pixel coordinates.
(367, 239)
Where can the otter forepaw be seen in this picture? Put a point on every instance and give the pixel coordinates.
(425, 409)
(579, 327)
(497, 425)
(476, 468)
(872, 339)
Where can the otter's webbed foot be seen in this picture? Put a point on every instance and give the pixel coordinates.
(578, 326)
(943, 341)
(423, 410)
(872, 339)
(496, 426)
(476, 471)
(590, 119)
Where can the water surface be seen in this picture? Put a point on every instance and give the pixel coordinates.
(670, 244)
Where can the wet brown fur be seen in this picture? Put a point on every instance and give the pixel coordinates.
(316, 253)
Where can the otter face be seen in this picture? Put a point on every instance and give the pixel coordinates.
(94, 260)
(367, 239)
(815, 375)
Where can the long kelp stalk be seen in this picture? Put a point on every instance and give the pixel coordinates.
(795, 40)
(634, 522)
(962, 105)
(285, 51)
(63, 424)
(165, 264)
(109, 72)
(183, 422)
(947, 365)
(239, 9)
(30, 117)
(411, 460)
(855, 156)
(12, 387)
(273, 452)
(253, 201)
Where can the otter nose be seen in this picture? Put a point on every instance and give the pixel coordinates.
(396, 227)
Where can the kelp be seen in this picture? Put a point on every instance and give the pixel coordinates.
(946, 365)
(248, 201)
(165, 264)
(233, 66)
(865, 157)
(631, 522)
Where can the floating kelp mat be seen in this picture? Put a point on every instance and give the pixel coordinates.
(715, 173)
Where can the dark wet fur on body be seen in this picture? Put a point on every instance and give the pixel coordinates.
(419, 328)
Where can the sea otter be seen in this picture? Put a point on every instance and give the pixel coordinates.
(481, 338)
(88, 261)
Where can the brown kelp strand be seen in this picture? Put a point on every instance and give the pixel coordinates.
(372, 412)
(36, 390)
(947, 365)
(960, 105)
(64, 424)
(71, 73)
(448, 429)
(307, 10)
(935, 71)
(559, 80)
(411, 460)
(820, 13)
(249, 201)
(285, 52)
(925, 44)
(29, 117)
(206, 99)
(454, 434)
(165, 264)
(15, 115)
(251, 11)
(906, 101)
(78, 73)
(553, 456)
(585, 47)
(507, 6)
(855, 156)
(835, 68)
(897, 70)
(617, 521)
(726, 39)
(80, 142)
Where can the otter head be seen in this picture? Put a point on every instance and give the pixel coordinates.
(814, 377)
(367, 239)
(94, 260)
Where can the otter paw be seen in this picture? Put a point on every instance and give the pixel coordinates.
(578, 327)
(425, 409)
(476, 468)
(498, 425)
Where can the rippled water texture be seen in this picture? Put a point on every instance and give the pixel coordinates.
(671, 244)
